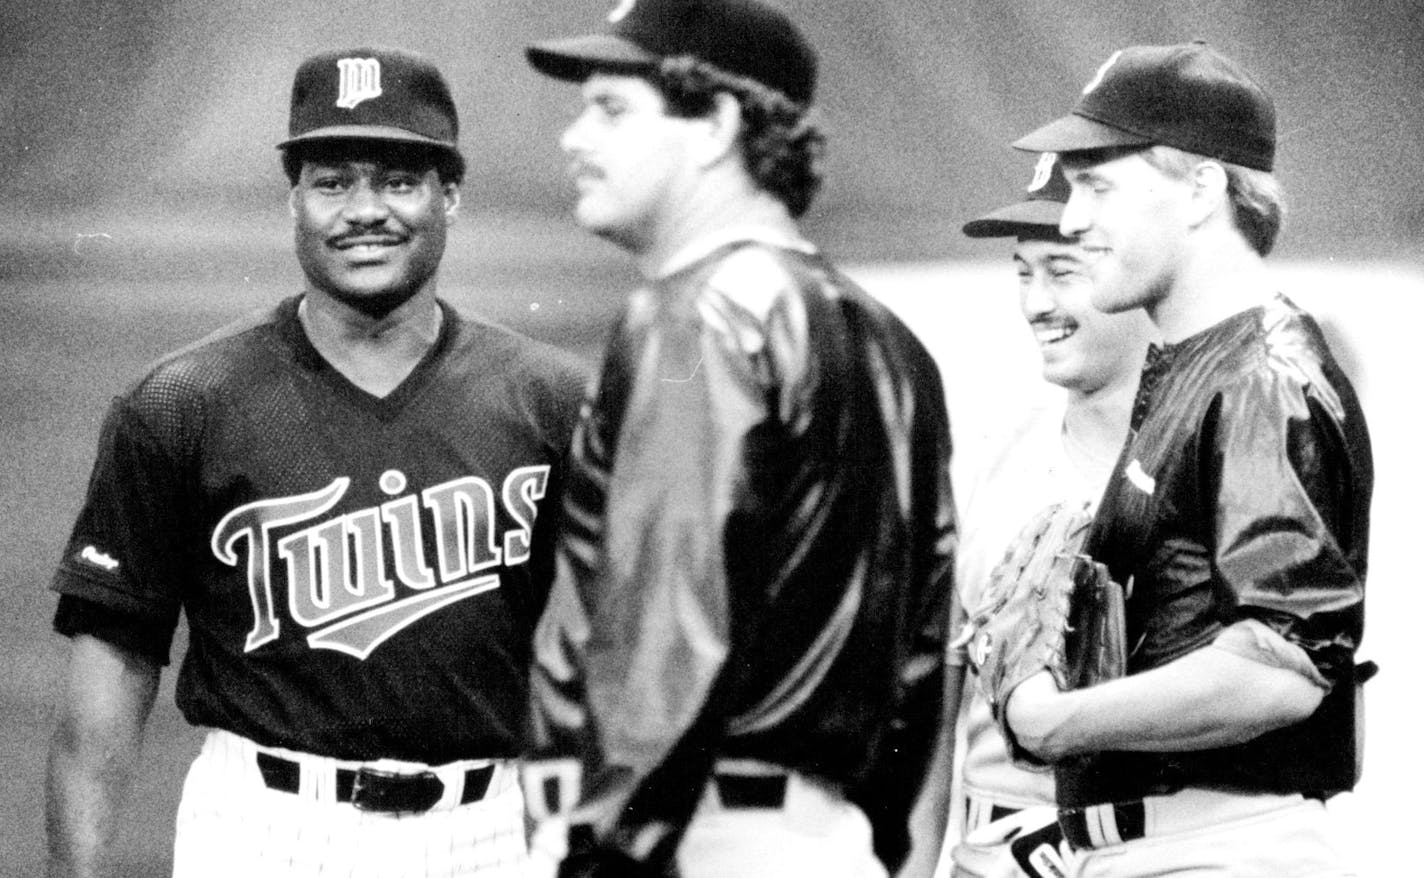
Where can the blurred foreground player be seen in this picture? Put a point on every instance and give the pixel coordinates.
(1238, 514)
(1056, 457)
(745, 642)
(349, 498)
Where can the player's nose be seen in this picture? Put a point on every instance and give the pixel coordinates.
(364, 204)
(1035, 299)
(574, 138)
(1075, 218)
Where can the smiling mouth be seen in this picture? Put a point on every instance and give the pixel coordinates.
(367, 245)
(1048, 334)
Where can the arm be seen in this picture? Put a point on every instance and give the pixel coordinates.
(1247, 682)
(109, 692)
(930, 818)
(640, 583)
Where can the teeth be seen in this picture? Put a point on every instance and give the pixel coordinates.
(1049, 335)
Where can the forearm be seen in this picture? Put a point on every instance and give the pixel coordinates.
(92, 755)
(930, 818)
(83, 796)
(1212, 697)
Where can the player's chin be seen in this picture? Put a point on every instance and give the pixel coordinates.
(376, 292)
(589, 214)
(1064, 363)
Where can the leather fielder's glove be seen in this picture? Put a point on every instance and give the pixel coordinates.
(1047, 606)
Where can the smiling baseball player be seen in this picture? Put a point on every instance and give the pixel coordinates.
(1238, 513)
(348, 499)
(1055, 457)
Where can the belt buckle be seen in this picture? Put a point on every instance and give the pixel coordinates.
(391, 792)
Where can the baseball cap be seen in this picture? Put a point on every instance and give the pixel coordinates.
(1036, 213)
(372, 94)
(742, 37)
(1187, 96)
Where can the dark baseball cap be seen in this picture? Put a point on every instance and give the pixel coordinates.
(742, 37)
(372, 94)
(1187, 96)
(1036, 214)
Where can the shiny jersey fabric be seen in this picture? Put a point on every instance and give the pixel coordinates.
(757, 550)
(1244, 492)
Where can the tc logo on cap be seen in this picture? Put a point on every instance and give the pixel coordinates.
(621, 11)
(1097, 79)
(1042, 171)
(359, 80)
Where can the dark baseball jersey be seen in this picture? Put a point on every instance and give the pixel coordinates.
(1243, 492)
(757, 550)
(360, 575)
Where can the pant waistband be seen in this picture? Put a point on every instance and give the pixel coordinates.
(749, 783)
(384, 785)
(1096, 826)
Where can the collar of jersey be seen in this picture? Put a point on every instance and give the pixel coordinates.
(706, 244)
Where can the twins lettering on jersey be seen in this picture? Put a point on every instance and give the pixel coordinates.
(336, 567)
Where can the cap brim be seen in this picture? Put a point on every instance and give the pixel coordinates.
(1035, 217)
(1074, 133)
(384, 133)
(574, 58)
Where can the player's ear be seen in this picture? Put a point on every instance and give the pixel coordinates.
(724, 130)
(292, 202)
(1208, 183)
(451, 192)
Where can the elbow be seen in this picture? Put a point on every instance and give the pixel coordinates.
(1039, 747)
(1294, 702)
(1289, 700)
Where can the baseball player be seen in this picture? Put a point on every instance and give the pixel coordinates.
(1237, 517)
(348, 498)
(745, 643)
(1058, 454)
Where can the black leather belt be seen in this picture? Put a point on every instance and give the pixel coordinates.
(371, 789)
(1101, 825)
(751, 790)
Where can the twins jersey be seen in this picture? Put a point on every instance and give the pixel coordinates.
(1028, 471)
(360, 575)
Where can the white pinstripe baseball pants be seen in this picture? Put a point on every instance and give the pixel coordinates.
(230, 825)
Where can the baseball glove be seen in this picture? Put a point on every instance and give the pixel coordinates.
(1047, 606)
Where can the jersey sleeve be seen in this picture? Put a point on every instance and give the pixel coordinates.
(126, 552)
(638, 625)
(1285, 500)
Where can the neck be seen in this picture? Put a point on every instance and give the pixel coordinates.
(1095, 426)
(1222, 277)
(716, 212)
(374, 353)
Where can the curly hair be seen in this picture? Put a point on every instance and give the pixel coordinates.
(782, 143)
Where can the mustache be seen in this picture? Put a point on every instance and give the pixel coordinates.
(368, 235)
(582, 168)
